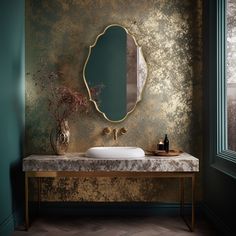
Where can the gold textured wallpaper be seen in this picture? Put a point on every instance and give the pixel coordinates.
(58, 34)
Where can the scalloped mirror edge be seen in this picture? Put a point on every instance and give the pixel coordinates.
(86, 84)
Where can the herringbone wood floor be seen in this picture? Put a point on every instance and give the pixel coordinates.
(116, 226)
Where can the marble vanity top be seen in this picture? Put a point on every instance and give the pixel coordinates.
(78, 162)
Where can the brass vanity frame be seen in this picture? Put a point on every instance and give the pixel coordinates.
(58, 174)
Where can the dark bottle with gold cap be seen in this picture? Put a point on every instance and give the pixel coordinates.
(166, 143)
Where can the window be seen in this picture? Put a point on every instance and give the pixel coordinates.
(231, 73)
(220, 94)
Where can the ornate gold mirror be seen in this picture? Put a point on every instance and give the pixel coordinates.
(115, 73)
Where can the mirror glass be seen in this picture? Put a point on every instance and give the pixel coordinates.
(115, 73)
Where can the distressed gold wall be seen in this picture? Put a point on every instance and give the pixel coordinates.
(59, 32)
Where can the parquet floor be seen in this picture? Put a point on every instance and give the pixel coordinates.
(116, 226)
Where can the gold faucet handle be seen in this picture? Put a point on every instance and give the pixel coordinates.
(123, 130)
(106, 130)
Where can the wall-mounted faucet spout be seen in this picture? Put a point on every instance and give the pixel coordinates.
(115, 134)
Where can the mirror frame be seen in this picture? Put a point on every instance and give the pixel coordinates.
(86, 84)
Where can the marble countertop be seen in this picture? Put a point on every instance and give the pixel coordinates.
(78, 162)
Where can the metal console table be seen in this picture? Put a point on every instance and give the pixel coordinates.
(76, 165)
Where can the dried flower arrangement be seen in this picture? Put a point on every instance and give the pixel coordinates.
(62, 103)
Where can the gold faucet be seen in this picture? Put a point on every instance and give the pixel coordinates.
(115, 134)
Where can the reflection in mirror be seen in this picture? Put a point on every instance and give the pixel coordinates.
(116, 68)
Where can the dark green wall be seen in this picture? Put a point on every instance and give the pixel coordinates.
(219, 198)
(219, 188)
(11, 111)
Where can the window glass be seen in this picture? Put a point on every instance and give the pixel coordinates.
(231, 73)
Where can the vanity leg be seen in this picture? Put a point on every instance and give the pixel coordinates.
(39, 191)
(181, 182)
(193, 202)
(26, 202)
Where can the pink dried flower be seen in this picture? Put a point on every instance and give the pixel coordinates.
(66, 102)
(62, 101)
(95, 92)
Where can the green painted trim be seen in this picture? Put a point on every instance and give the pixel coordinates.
(221, 158)
(221, 77)
(216, 221)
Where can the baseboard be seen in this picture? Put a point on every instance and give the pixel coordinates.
(110, 209)
(7, 226)
(217, 222)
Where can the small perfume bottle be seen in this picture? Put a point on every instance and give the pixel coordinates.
(166, 143)
(160, 145)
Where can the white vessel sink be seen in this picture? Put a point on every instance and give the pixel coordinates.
(115, 153)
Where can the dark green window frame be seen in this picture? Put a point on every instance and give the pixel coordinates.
(221, 158)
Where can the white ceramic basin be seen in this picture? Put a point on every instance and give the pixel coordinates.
(115, 152)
